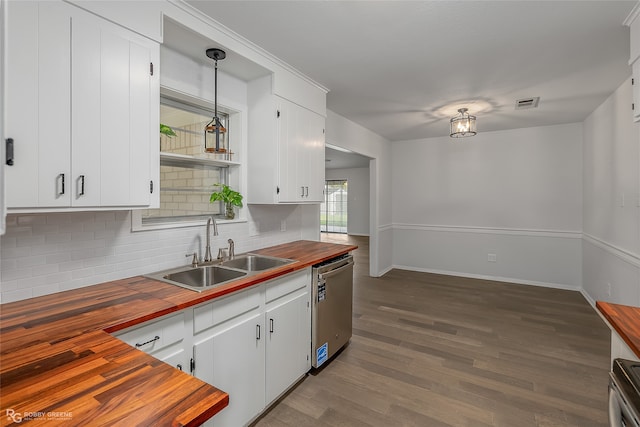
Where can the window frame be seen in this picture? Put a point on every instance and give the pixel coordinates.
(236, 172)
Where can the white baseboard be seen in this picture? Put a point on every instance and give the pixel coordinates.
(385, 271)
(586, 296)
(494, 278)
(358, 234)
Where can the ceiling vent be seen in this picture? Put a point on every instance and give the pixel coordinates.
(526, 103)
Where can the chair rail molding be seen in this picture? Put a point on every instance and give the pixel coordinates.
(622, 254)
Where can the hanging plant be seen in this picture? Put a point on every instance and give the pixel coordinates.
(166, 130)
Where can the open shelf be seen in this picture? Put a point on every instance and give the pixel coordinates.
(182, 160)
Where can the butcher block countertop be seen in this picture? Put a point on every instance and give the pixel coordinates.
(58, 363)
(625, 320)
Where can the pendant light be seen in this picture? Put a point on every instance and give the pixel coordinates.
(215, 126)
(463, 125)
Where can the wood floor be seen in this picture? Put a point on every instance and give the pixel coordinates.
(433, 350)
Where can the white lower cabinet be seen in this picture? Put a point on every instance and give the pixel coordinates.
(254, 344)
(288, 337)
(163, 338)
(228, 353)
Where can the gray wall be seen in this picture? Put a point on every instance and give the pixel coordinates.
(611, 244)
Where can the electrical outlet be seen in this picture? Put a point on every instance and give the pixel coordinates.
(283, 225)
(608, 289)
(492, 257)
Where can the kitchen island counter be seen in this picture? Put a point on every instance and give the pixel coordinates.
(59, 363)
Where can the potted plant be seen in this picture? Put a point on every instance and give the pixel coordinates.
(229, 197)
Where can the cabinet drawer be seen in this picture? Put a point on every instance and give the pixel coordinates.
(154, 336)
(225, 308)
(287, 284)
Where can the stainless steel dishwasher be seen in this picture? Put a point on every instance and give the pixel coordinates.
(332, 309)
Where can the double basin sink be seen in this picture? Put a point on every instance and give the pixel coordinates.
(216, 273)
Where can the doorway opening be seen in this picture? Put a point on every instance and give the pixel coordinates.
(333, 210)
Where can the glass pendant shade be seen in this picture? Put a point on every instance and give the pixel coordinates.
(210, 145)
(463, 125)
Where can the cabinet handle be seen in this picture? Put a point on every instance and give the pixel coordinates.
(179, 366)
(271, 325)
(81, 186)
(306, 191)
(257, 332)
(61, 178)
(302, 191)
(156, 338)
(9, 151)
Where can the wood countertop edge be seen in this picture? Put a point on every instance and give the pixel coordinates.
(619, 318)
(206, 409)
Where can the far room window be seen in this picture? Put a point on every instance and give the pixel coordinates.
(333, 211)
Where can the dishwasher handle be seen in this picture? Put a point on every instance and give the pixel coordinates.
(338, 270)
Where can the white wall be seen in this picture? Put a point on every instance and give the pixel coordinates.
(357, 198)
(347, 134)
(516, 194)
(611, 246)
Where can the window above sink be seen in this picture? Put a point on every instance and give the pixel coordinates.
(187, 172)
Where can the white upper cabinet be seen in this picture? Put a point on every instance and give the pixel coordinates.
(633, 21)
(82, 109)
(38, 98)
(286, 149)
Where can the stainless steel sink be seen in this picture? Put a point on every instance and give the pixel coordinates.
(204, 277)
(253, 262)
(219, 273)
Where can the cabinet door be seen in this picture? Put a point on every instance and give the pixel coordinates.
(38, 103)
(178, 359)
(112, 114)
(288, 344)
(288, 152)
(314, 147)
(233, 361)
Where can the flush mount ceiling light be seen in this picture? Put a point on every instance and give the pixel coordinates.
(463, 125)
(215, 125)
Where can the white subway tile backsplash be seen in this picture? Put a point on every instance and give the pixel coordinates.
(31, 261)
(54, 238)
(45, 290)
(29, 241)
(47, 253)
(41, 270)
(9, 253)
(17, 295)
(31, 219)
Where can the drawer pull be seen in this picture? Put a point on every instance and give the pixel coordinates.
(156, 338)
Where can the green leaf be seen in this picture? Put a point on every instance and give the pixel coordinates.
(226, 195)
(166, 130)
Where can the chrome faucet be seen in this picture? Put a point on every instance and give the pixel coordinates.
(207, 250)
(232, 249)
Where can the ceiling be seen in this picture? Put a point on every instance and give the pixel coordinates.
(403, 68)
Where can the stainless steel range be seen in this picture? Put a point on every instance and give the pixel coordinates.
(624, 394)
